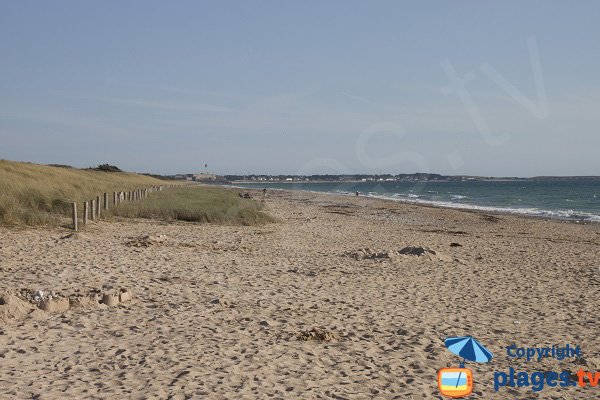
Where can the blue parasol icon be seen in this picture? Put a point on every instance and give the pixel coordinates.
(469, 349)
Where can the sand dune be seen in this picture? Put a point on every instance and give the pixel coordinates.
(287, 311)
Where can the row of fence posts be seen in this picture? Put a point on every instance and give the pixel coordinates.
(92, 208)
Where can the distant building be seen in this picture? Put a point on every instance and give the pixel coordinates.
(203, 177)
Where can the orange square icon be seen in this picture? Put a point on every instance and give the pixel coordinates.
(455, 382)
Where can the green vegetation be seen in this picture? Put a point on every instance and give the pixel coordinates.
(197, 204)
(33, 194)
(107, 168)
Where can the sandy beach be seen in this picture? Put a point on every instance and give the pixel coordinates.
(236, 312)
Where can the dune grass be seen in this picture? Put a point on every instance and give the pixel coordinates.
(197, 204)
(33, 194)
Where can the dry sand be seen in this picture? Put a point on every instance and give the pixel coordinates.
(318, 306)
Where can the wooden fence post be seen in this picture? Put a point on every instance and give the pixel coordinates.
(93, 202)
(115, 199)
(75, 217)
(105, 201)
(86, 212)
(98, 207)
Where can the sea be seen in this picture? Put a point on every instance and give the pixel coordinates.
(576, 200)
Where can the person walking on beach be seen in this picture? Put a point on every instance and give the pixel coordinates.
(264, 193)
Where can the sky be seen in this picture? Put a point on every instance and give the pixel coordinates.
(505, 88)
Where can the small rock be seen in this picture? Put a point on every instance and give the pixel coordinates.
(415, 251)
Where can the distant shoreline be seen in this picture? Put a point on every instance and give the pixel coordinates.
(531, 211)
(533, 179)
(361, 181)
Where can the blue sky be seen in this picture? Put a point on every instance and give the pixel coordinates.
(303, 87)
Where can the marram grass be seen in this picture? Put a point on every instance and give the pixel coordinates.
(33, 194)
(197, 204)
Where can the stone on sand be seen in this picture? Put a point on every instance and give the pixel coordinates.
(416, 251)
(423, 251)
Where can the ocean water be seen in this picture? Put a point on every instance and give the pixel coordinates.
(570, 200)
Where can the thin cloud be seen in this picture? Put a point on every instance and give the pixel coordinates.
(193, 107)
(353, 97)
(179, 90)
